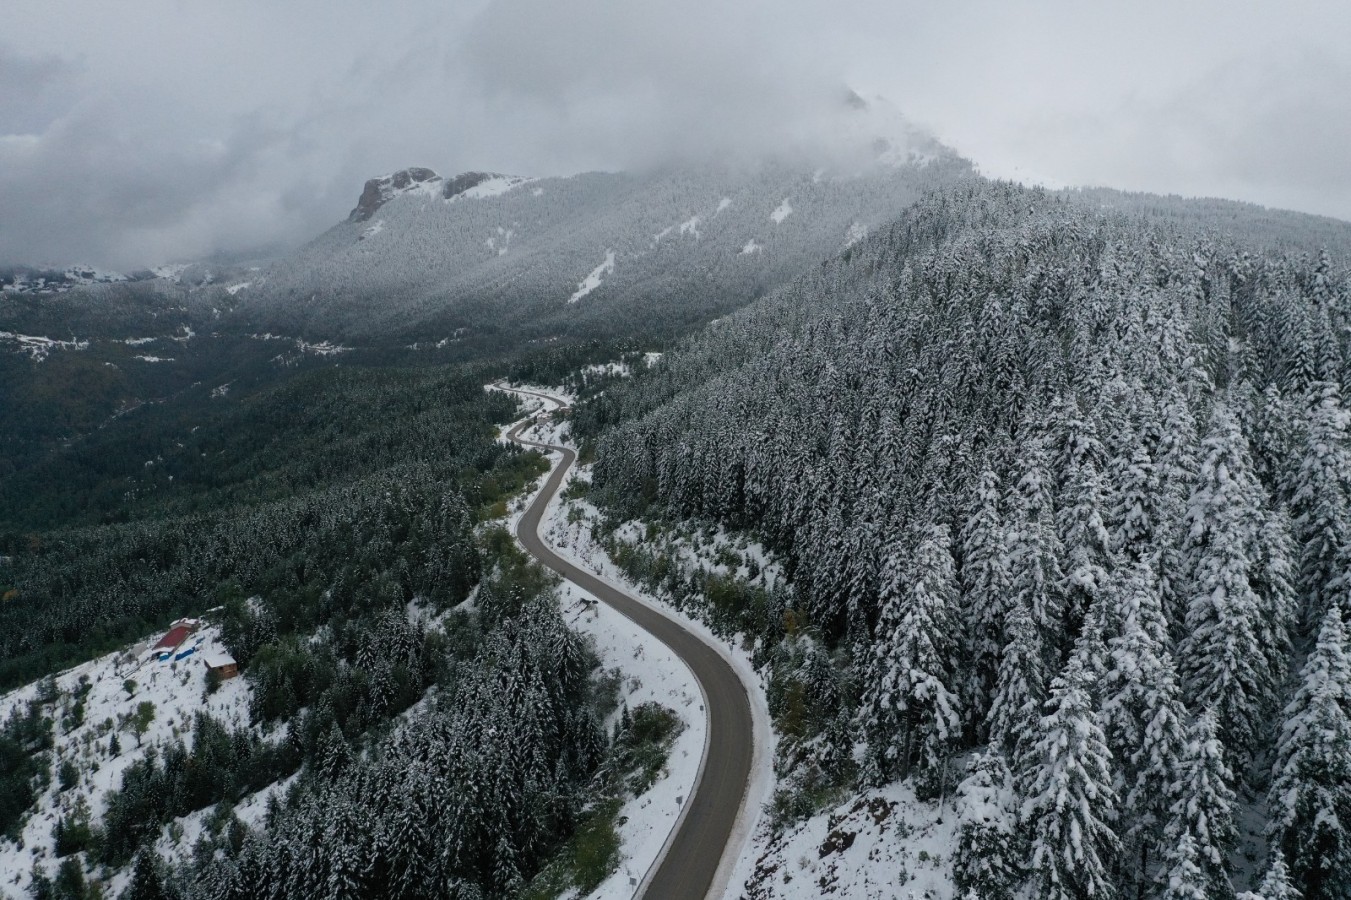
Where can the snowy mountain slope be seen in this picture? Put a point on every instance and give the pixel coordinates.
(421, 251)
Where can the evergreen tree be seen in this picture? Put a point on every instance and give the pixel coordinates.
(1203, 804)
(985, 596)
(989, 851)
(1223, 665)
(1322, 503)
(1034, 552)
(147, 882)
(1019, 692)
(1144, 721)
(914, 715)
(1311, 788)
(1186, 881)
(1070, 803)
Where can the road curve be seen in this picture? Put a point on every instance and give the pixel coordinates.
(691, 859)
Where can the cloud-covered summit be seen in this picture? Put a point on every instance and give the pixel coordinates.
(131, 135)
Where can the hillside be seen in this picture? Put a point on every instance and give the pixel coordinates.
(594, 255)
(1064, 496)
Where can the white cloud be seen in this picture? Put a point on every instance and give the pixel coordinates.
(162, 129)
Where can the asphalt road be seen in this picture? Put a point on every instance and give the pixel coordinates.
(692, 857)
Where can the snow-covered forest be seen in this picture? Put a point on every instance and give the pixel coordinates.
(1064, 495)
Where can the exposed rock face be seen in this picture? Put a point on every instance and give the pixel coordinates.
(463, 182)
(379, 190)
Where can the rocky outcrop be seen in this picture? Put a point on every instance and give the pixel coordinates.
(463, 182)
(378, 190)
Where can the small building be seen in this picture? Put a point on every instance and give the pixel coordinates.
(173, 639)
(221, 664)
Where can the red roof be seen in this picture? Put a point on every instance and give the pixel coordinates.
(175, 637)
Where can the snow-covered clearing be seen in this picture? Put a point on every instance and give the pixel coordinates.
(879, 845)
(236, 288)
(855, 234)
(691, 226)
(178, 691)
(592, 281)
(492, 187)
(781, 212)
(751, 247)
(375, 228)
(154, 359)
(722, 205)
(39, 347)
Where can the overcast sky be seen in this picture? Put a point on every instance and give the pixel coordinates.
(137, 133)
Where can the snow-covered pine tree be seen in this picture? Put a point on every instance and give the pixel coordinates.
(1321, 504)
(990, 851)
(1185, 880)
(1203, 803)
(1034, 552)
(1020, 689)
(1135, 517)
(1070, 805)
(1144, 721)
(913, 714)
(1275, 884)
(1311, 788)
(1176, 462)
(985, 596)
(1084, 540)
(1223, 667)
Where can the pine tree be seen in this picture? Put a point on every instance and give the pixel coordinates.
(1084, 541)
(146, 883)
(914, 715)
(985, 595)
(1070, 803)
(1143, 720)
(1223, 665)
(1186, 881)
(1311, 788)
(1136, 518)
(1321, 503)
(989, 851)
(1276, 883)
(1034, 552)
(1020, 690)
(1203, 803)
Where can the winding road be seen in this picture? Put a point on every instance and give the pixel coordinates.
(691, 861)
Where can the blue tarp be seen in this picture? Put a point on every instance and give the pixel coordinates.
(185, 653)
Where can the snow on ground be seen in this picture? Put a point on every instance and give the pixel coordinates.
(723, 204)
(610, 368)
(691, 226)
(751, 247)
(568, 530)
(154, 359)
(39, 347)
(370, 232)
(879, 845)
(592, 281)
(171, 271)
(323, 348)
(236, 288)
(178, 691)
(782, 211)
(855, 234)
(137, 342)
(656, 238)
(492, 187)
(651, 358)
(503, 234)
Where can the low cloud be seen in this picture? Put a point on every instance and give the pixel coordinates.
(165, 130)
